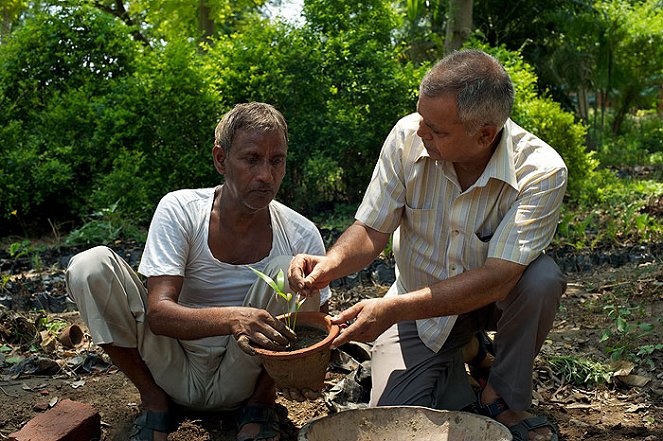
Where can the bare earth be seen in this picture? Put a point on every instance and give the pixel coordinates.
(630, 407)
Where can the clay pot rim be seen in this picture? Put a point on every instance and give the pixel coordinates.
(334, 330)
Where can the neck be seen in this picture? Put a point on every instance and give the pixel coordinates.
(237, 217)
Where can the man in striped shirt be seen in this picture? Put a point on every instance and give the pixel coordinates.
(472, 201)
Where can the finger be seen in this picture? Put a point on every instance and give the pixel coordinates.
(292, 395)
(312, 278)
(346, 335)
(278, 337)
(347, 315)
(266, 341)
(296, 395)
(285, 331)
(296, 272)
(244, 344)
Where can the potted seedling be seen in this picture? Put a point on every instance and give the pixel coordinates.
(304, 364)
(292, 303)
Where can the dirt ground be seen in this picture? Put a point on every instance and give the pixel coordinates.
(628, 407)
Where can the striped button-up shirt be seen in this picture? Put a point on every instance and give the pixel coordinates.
(440, 231)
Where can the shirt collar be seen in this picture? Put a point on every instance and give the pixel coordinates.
(501, 165)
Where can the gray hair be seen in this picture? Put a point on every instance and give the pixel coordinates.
(252, 117)
(482, 87)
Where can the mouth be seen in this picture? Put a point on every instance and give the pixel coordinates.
(431, 152)
(263, 190)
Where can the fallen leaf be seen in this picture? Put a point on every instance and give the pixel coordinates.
(634, 380)
(579, 406)
(622, 368)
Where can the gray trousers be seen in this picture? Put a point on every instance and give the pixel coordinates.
(406, 372)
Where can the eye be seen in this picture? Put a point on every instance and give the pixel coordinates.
(278, 161)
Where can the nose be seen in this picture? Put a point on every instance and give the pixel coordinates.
(264, 172)
(423, 131)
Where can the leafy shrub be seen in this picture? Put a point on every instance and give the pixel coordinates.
(340, 84)
(51, 69)
(104, 227)
(640, 143)
(546, 119)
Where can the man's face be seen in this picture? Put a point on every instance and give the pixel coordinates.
(254, 167)
(444, 136)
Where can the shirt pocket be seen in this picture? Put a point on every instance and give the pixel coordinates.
(475, 252)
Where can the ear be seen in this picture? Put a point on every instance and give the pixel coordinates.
(487, 135)
(219, 157)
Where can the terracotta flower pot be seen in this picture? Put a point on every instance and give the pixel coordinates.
(71, 336)
(302, 368)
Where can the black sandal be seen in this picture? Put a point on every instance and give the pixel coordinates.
(520, 431)
(148, 422)
(264, 415)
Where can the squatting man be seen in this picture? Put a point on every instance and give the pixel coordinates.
(472, 200)
(186, 337)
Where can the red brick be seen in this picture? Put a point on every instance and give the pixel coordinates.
(66, 421)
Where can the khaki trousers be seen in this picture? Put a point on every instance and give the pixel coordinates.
(112, 301)
(406, 372)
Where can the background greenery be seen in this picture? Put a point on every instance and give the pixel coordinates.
(106, 106)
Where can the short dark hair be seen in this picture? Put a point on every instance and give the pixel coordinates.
(482, 87)
(253, 117)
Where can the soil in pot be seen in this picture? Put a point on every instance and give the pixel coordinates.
(306, 336)
(303, 368)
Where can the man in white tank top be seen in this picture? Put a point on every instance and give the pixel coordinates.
(185, 338)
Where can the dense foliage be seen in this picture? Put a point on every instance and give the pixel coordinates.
(105, 110)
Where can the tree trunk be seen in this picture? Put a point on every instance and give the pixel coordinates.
(5, 27)
(459, 24)
(205, 24)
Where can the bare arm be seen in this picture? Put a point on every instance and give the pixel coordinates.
(167, 317)
(357, 247)
(457, 295)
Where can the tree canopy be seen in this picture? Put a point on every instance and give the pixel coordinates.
(111, 103)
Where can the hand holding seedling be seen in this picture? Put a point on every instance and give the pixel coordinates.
(308, 273)
(259, 327)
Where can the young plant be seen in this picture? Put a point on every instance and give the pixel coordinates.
(292, 302)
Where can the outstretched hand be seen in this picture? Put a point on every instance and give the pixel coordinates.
(365, 321)
(258, 327)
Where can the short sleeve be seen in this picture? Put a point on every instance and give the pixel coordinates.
(529, 225)
(383, 202)
(167, 245)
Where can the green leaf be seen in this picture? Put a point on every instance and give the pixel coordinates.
(605, 336)
(267, 280)
(280, 280)
(622, 325)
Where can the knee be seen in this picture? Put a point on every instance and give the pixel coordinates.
(88, 268)
(542, 283)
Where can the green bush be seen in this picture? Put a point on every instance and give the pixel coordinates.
(546, 119)
(51, 71)
(89, 119)
(640, 143)
(340, 83)
(93, 120)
